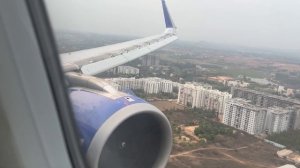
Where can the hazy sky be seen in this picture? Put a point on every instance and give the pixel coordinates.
(255, 23)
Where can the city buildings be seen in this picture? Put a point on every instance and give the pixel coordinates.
(197, 95)
(127, 83)
(243, 115)
(261, 81)
(127, 70)
(266, 100)
(263, 99)
(237, 83)
(239, 113)
(220, 79)
(277, 119)
(157, 85)
(150, 60)
(148, 85)
(295, 118)
(280, 89)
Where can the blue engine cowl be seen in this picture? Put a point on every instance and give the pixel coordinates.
(120, 130)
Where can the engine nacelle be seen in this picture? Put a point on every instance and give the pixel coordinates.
(119, 130)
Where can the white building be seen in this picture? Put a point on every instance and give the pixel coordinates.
(239, 113)
(237, 83)
(152, 87)
(157, 85)
(277, 119)
(128, 70)
(280, 89)
(148, 85)
(202, 96)
(128, 83)
(187, 94)
(261, 81)
(167, 86)
(296, 118)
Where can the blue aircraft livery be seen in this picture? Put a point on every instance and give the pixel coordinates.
(168, 20)
(92, 109)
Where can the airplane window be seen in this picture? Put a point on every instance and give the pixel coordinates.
(170, 83)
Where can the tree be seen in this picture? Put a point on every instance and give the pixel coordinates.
(209, 130)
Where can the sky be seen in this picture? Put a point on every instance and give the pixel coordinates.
(253, 23)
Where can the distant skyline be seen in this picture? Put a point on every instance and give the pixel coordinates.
(254, 23)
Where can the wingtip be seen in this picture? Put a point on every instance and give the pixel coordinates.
(168, 19)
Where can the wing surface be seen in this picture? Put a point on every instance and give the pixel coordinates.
(97, 60)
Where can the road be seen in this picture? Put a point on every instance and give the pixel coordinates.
(200, 149)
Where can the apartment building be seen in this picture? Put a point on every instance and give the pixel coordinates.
(263, 99)
(148, 85)
(239, 113)
(277, 119)
(202, 96)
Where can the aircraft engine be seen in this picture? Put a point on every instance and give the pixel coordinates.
(118, 130)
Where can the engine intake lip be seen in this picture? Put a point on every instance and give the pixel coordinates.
(120, 117)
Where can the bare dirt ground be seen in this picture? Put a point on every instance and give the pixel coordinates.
(189, 131)
(166, 105)
(238, 151)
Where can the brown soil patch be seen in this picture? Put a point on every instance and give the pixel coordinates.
(239, 151)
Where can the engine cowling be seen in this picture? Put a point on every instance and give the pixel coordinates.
(118, 130)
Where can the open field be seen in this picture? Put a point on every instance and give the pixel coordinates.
(166, 105)
(238, 151)
(238, 64)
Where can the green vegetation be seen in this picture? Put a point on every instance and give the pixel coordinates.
(209, 129)
(140, 93)
(199, 113)
(285, 78)
(235, 72)
(291, 139)
(204, 113)
(218, 86)
(262, 88)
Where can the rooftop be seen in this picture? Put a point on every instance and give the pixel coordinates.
(270, 95)
(245, 103)
(279, 110)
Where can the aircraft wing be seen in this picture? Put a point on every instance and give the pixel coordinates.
(97, 60)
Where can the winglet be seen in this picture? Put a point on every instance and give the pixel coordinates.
(168, 19)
